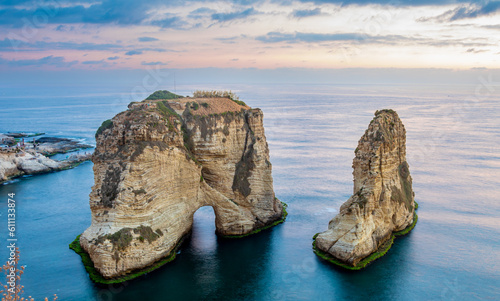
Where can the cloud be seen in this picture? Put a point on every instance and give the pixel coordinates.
(156, 50)
(113, 58)
(242, 14)
(466, 12)
(130, 12)
(57, 61)
(153, 63)
(303, 37)
(230, 40)
(120, 12)
(64, 28)
(147, 39)
(170, 22)
(306, 13)
(94, 62)
(474, 50)
(20, 45)
(9, 45)
(133, 52)
(496, 26)
(201, 12)
(276, 37)
(384, 2)
(477, 11)
(107, 11)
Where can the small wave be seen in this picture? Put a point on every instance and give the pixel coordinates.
(10, 182)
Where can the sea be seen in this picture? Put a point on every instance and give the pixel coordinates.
(453, 149)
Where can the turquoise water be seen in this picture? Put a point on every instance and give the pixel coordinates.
(453, 150)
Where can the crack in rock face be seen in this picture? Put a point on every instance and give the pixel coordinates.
(160, 161)
(383, 201)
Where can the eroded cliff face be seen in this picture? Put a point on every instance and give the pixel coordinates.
(382, 200)
(159, 162)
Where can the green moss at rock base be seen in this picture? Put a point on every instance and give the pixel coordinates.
(281, 220)
(71, 166)
(363, 263)
(407, 229)
(96, 277)
(382, 250)
(410, 227)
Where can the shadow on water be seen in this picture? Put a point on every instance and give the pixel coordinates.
(207, 268)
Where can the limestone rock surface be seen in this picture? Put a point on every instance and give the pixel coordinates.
(14, 164)
(382, 200)
(160, 161)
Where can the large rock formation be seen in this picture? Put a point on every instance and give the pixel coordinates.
(160, 161)
(383, 199)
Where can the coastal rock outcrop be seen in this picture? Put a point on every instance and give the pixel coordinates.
(383, 200)
(29, 160)
(160, 161)
(55, 145)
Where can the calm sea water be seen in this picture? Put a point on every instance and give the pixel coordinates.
(453, 143)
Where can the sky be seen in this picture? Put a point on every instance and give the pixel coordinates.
(270, 34)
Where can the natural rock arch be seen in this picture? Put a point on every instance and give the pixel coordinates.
(156, 164)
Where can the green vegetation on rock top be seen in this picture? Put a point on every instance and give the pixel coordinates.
(105, 125)
(163, 94)
(390, 111)
(218, 94)
(165, 108)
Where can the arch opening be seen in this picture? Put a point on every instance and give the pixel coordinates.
(203, 237)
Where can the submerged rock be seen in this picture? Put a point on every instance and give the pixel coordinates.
(382, 200)
(160, 161)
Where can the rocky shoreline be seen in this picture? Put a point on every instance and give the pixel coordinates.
(19, 157)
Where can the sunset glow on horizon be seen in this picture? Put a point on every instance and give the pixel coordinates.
(62, 35)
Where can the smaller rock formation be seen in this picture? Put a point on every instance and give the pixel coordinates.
(382, 203)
